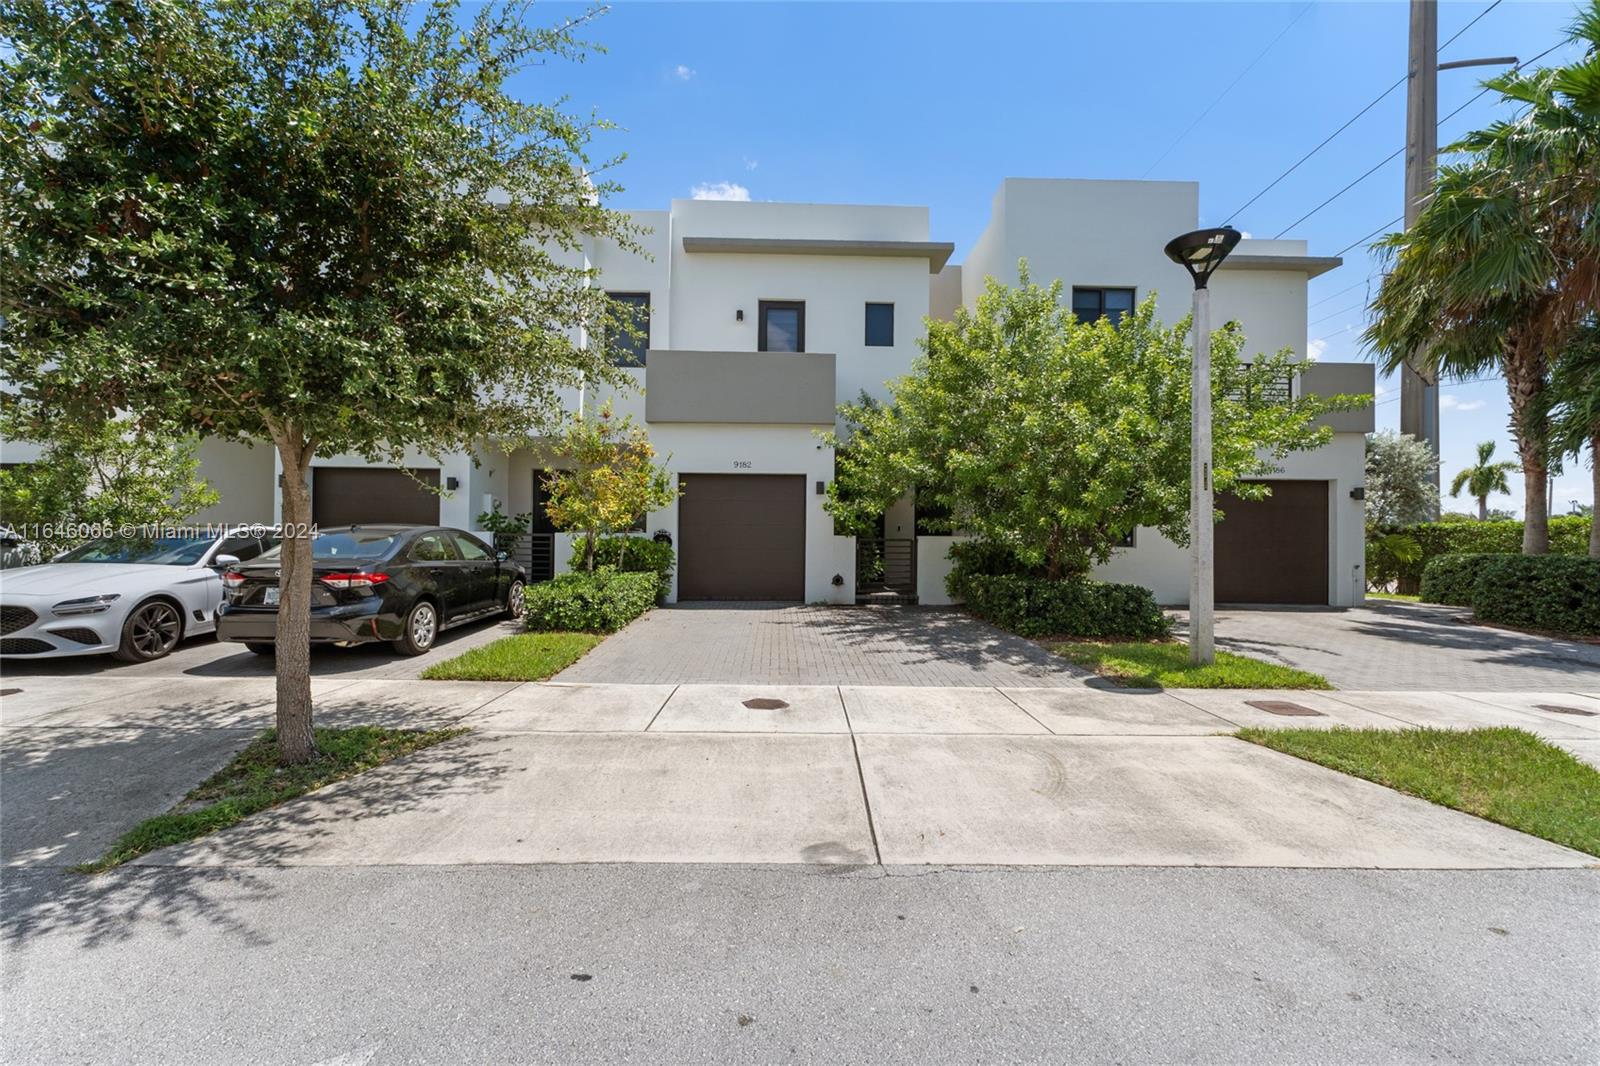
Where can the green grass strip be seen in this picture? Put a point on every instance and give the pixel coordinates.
(253, 781)
(524, 657)
(1166, 665)
(1504, 775)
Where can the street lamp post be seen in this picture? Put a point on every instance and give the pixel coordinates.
(1200, 253)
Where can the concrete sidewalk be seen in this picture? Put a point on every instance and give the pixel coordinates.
(770, 774)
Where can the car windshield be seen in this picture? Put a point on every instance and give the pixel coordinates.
(355, 545)
(162, 551)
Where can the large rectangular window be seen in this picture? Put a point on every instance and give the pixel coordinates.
(1091, 305)
(880, 325)
(782, 327)
(629, 332)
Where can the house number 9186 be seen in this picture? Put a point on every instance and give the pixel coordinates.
(743, 464)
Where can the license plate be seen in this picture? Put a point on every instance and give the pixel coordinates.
(269, 596)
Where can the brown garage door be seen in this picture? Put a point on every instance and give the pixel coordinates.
(1274, 550)
(364, 495)
(742, 537)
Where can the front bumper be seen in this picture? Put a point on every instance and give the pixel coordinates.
(47, 636)
(345, 623)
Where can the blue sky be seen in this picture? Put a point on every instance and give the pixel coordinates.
(933, 104)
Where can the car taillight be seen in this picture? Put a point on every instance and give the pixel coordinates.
(232, 579)
(352, 581)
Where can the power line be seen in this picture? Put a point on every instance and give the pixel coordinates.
(1248, 68)
(1352, 119)
(1336, 314)
(1479, 95)
(1368, 238)
(1331, 296)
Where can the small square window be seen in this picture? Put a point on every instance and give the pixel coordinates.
(1090, 305)
(880, 325)
(1126, 540)
(782, 327)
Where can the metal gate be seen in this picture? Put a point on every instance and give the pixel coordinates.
(886, 570)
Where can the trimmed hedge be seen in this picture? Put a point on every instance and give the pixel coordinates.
(1449, 579)
(1076, 607)
(643, 555)
(1556, 593)
(1569, 535)
(1000, 588)
(600, 602)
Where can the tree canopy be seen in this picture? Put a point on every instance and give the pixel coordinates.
(327, 224)
(1057, 438)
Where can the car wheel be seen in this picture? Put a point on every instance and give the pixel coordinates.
(420, 631)
(151, 631)
(514, 600)
(261, 649)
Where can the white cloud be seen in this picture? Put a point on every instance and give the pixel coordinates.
(683, 73)
(720, 190)
(1245, 235)
(1315, 349)
(1378, 390)
(1451, 403)
(751, 164)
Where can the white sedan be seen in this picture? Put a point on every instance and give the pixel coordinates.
(134, 597)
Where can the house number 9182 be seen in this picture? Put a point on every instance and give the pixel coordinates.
(743, 464)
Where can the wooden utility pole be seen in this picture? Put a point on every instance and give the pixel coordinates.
(1419, 392)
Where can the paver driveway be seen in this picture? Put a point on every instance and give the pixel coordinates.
(777, 644)
(1406, 646)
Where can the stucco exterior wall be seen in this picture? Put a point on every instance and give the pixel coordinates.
(242, 476)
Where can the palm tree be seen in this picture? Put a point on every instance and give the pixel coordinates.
(1483, 480)
(1575, 421)
(1503, 263)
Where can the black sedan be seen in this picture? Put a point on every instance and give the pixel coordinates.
(401, 584)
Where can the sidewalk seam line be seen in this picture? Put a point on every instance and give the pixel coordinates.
(661, 708)
(1042, 725)
(861, 775)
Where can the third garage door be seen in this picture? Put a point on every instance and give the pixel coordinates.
(1274, 550)
(742, 537)
(373, 495)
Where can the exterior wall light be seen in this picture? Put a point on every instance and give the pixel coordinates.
(1201, 252)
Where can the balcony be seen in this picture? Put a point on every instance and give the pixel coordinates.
(768, 388)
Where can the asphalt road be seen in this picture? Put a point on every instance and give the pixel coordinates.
(359, 966)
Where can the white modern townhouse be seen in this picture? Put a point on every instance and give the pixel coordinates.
(764, 317)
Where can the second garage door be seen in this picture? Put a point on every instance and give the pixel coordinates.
(369, 496)
(1274, 550)
(742, 537)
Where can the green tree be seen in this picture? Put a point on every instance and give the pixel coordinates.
(1482, 479)
(1057, 438)
(101, 475)
(609, 480)
(326, 224)
(1575, 418)
(1400, 476)
(1503, 263)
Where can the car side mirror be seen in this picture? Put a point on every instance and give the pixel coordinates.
(501, 557)
(221, 561)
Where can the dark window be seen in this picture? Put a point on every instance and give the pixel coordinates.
(630, 330)
(783, 326)
(471, 548)
(1126, 540)
(432, 548)
(1093, 304)
(880, 325)
(245, 548)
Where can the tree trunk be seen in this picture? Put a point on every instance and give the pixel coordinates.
(296, 743)
(1483, 508)
(1594, 480)
(1524, 367)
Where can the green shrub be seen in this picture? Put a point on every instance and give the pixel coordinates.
(1569, 535)
(1075, 607)
(1556, 593)
(631, 555)
(980, 558)
(599, 602)
(1449, 579)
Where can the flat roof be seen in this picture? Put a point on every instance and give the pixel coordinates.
(1309, 265)
(937, 253)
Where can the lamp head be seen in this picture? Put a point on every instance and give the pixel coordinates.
(1201, 251)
